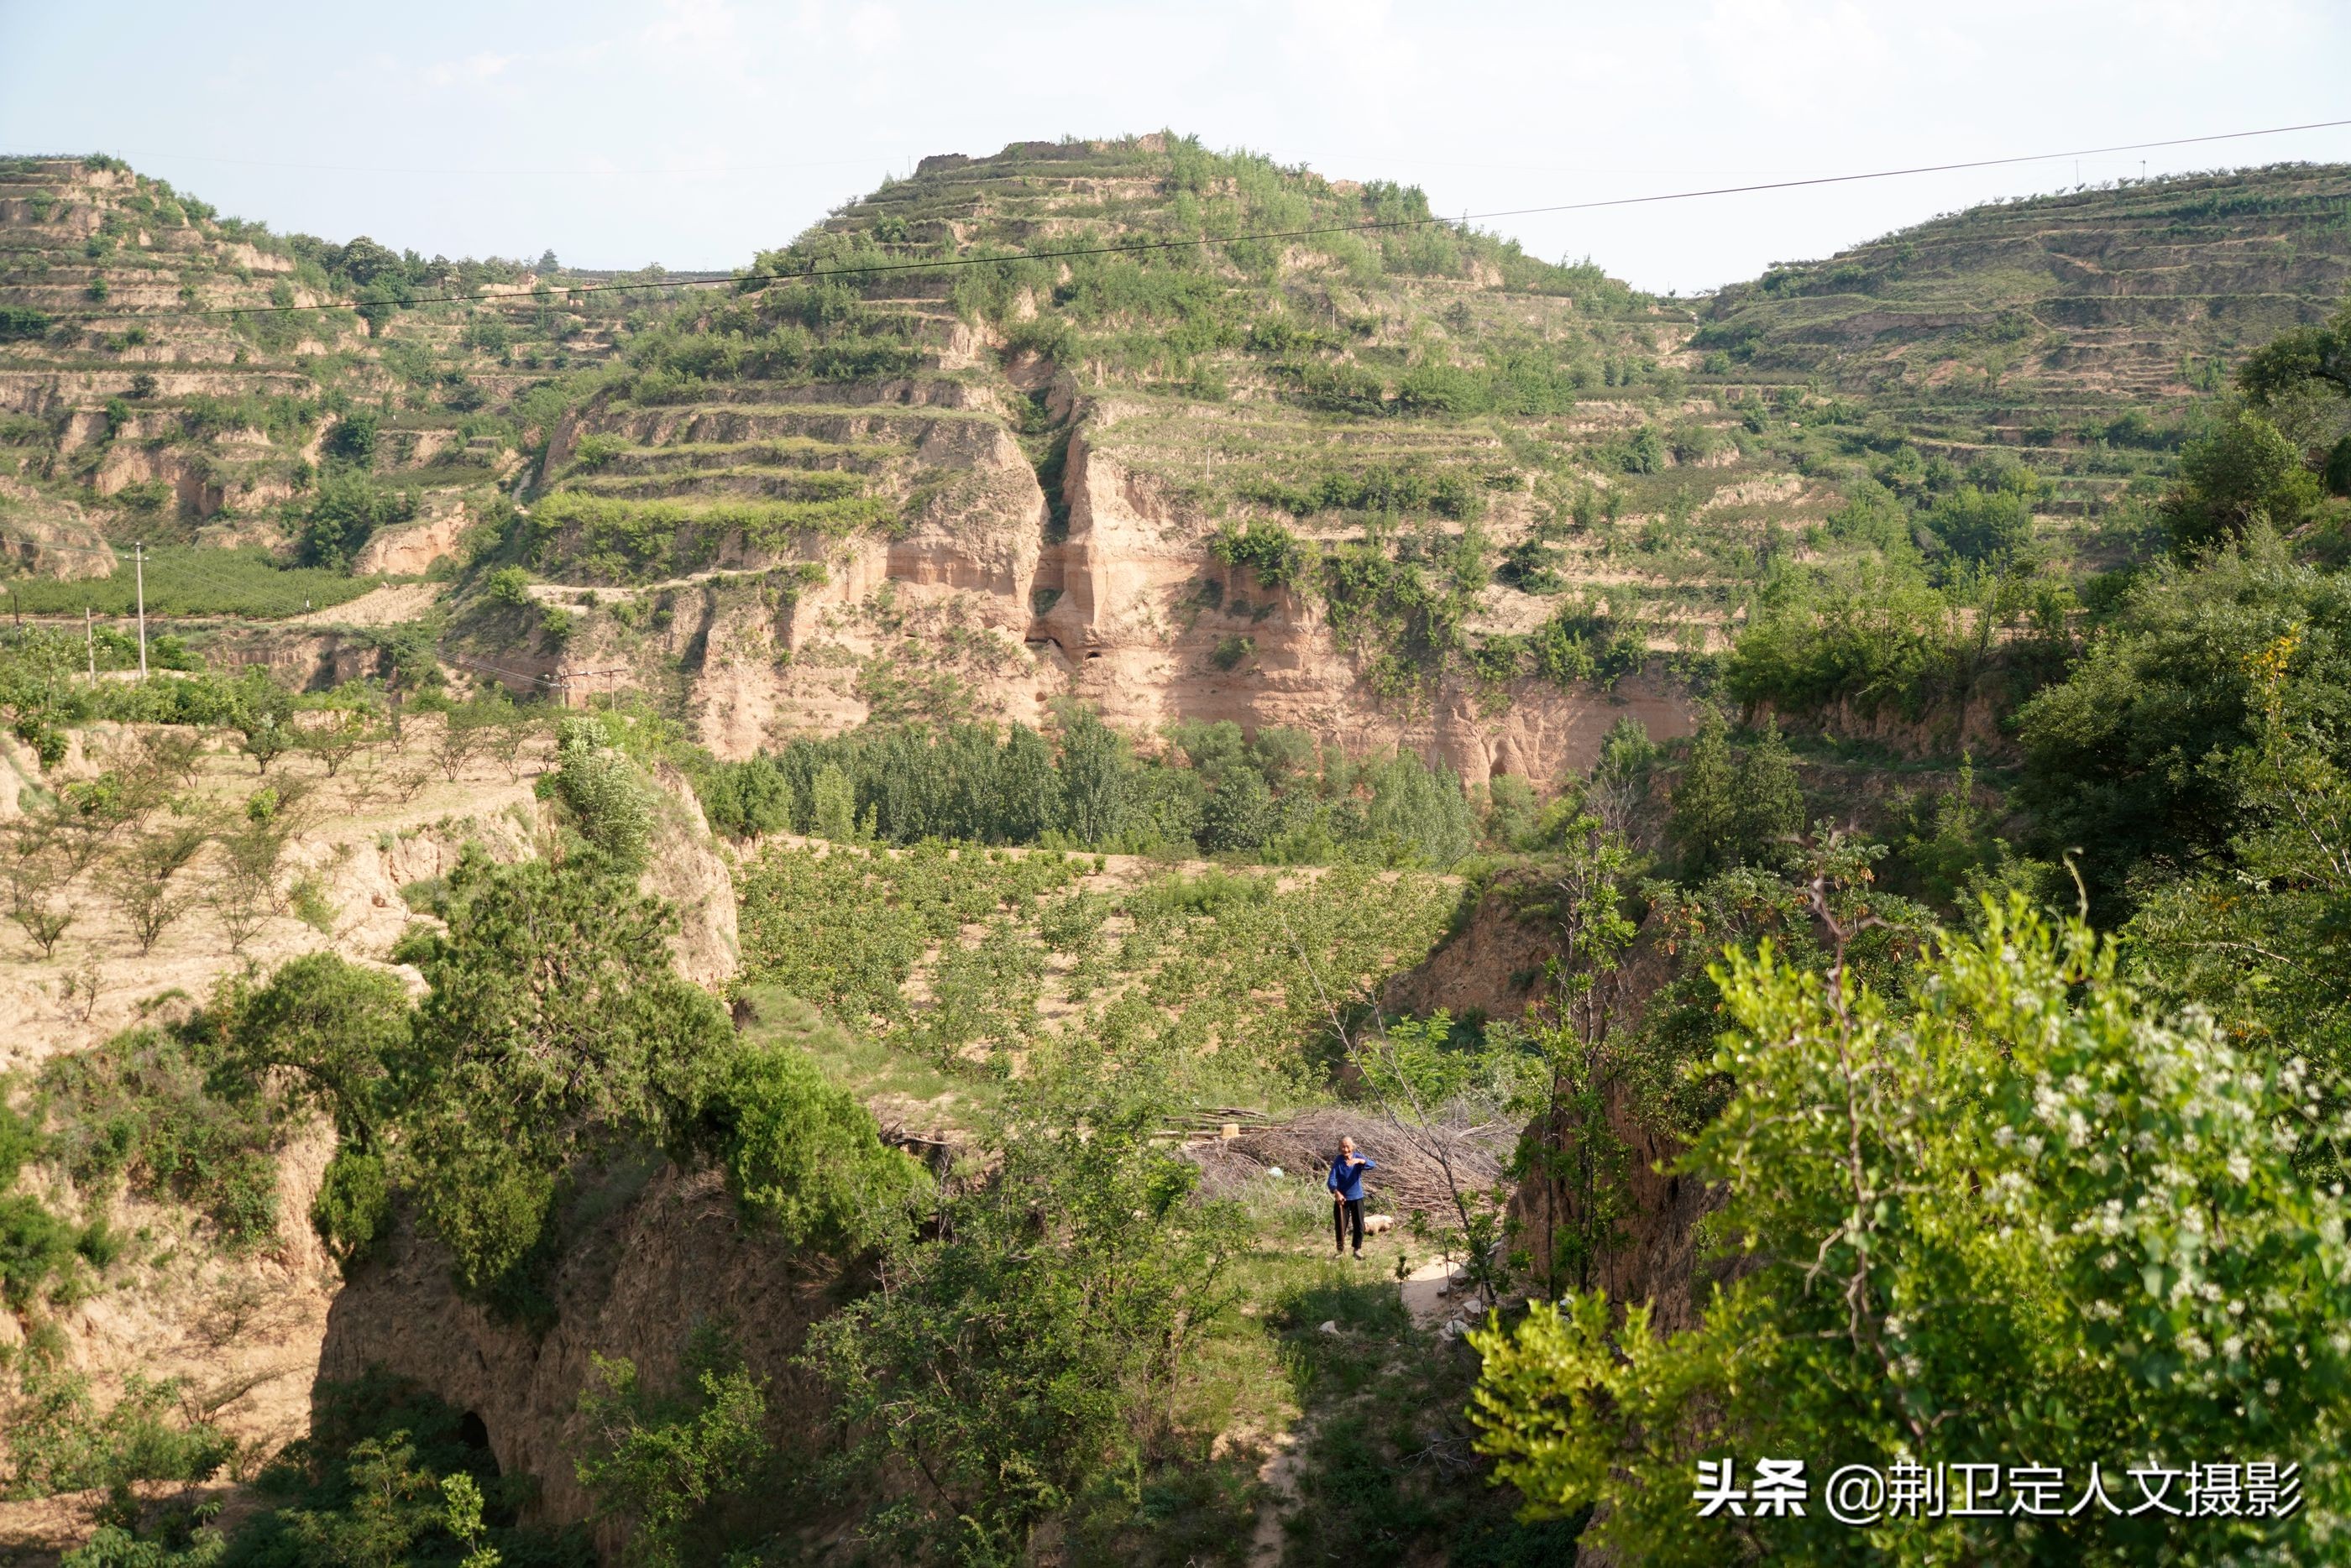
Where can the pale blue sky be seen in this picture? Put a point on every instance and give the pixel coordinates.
(694, 133)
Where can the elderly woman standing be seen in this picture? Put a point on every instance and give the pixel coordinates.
(1346, 1184)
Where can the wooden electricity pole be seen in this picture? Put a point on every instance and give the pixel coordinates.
(138, 573)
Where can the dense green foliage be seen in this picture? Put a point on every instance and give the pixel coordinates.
(2136, 762)
(554, 1031)
(2043, 1219)
(1009, 1364)
(187, 580)
(670, 1466)
(1273, 796)
(802, 1155)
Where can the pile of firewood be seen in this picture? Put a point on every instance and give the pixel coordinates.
(1409, 1176)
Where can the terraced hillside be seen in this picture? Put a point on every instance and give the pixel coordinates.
(1396, 484)
(2055, 321)
(136, 404)
(1009, 432)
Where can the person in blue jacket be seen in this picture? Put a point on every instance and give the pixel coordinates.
(1346, 1184)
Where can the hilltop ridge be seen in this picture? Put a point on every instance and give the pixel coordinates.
(1403, 485)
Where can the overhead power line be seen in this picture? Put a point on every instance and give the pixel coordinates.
(580, 172)
(940, 264)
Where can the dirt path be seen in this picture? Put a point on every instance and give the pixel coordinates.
(387, 606)
(1427, 1294)
(1278, 1475)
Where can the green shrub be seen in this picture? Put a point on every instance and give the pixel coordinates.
(352, 1210)
(607, 803)
(348, 506)
(802, 1156)
(508, 586)
(1278, 557)
(59, 1441)
(146, 1107)
(36, 1247)
(512, 1084)
(668, 1465)
(2245, 471)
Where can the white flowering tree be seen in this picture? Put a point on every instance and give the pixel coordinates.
(2017, 1219)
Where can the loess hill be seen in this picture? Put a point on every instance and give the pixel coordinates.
(1399, 485)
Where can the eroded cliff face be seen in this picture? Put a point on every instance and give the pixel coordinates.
(978, 610)
(669, 1253)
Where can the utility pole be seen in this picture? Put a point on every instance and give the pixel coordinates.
(89, 640)
(139, 574)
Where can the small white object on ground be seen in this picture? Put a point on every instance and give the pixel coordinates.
(1378, 1224)
(1329, 1325)
(1273, 1170)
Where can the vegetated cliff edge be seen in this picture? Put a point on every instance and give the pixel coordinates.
(1491, 968)
(650, 1253)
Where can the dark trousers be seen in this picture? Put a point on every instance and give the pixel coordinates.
(1345, 1212)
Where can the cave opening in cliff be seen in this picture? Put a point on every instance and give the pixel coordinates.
(475, 1433)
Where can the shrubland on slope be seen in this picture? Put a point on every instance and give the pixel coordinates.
(816, 1081)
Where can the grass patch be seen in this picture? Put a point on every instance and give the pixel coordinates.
(870, 1068)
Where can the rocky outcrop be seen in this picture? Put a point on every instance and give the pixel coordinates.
(688, 870)
(407, 551)
(669, 1253)
(44, 537)
(1656, 1257)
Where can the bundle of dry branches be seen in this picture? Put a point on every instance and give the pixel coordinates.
(1410, 1179)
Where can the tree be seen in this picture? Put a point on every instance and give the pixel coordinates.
(335, 740)
(348, 506)
(1705, 821)
(1430, 1088)
(2295, 360)
(1239, 813)
(663, 1464)
(1417, 816)
(253, 847)
(265, 722)
(1767, 806)
(802, 1154)
(1980, 525)
(2246, 471)
(601, 795)
(1009, 1364)
(334, 1030)
(511, 729)
(2129, 761)
(1093, 776)
(833, 805)
(1027, 796)
(39, 877)
(2024, 1213)
(2261, 942)
(1580, 1029)
(459, 741)
(142, 878)
(554, 1029)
